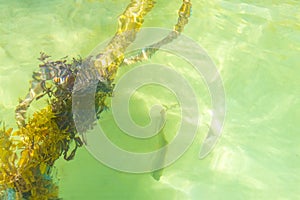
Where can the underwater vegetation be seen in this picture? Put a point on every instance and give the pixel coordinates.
(28, 154)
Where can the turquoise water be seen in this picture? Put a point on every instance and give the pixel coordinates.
(254, 44)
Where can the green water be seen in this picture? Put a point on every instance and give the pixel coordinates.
(254, 44)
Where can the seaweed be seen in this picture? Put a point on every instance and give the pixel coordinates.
(28, 154)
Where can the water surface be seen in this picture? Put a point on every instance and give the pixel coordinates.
(254, 44)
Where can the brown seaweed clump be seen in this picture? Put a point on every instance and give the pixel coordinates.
(28, 155)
